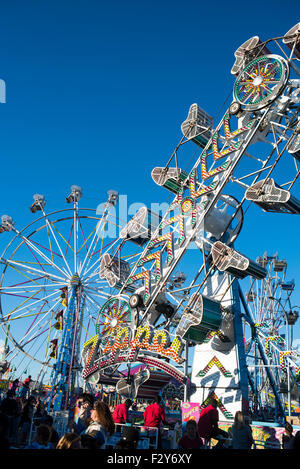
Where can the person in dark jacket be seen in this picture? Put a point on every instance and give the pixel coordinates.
(9, 406)
(241, 433)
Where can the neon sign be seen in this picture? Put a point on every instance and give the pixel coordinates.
(125, 345)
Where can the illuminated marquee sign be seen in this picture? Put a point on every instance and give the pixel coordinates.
(146, 339)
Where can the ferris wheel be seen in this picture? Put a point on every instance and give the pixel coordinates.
(271, 357)
(51, 281)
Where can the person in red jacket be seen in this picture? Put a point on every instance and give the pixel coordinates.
(208, 422)
(120, 414)
(154, 414)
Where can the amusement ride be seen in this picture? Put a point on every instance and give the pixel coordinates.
(93, 299)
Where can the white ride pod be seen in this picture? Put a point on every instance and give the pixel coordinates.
(294, 146)
(39, 203)
(204, 316)
(272, 198)
(76, 194)
(114, 270)
(228, 260)
(292, 40)
(141, 226)
(197, 126)
(129, 386)
(7, 223)
(169, 178)
(249, 50)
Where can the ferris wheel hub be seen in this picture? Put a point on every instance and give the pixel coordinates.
(75, 280)
(257, 81)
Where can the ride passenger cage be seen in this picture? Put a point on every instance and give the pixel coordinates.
(292, 39)
(272, 198)
(198, 125)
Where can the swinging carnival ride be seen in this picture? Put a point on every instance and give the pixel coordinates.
(90, 311)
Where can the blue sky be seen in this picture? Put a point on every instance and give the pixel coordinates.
(96, 93)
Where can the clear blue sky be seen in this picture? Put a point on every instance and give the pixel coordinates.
(97, 91)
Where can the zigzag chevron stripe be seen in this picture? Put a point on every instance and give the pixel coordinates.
(204, 190)
(146, 276)
(218, 155)
(157, 257)
(207, 174)
(227, 130)
(168, 238)
(211, 363)
(282, 356)
(172, 220)
(220, 405)
(276, 339)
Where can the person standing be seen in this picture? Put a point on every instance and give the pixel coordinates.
(102, 425)
(241, 433)
(27, 381)
(288, 436)
(14, 386)
(9, 406)
(27, 418)
(120, 414)
(154, 414)
(82, 412)
(208, 422)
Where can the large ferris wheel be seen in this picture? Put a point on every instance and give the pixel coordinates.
(51, 287)
(169, 282)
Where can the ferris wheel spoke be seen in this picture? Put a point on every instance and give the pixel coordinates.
(30, 244)
(49, 226)
(93, 267)
(99, 233)
(21, 307)
(38, 325)
(95, 292)
(32, 270)
(27, 288)
(91, 249)
(93, 301)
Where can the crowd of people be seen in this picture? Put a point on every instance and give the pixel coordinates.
(26, 424)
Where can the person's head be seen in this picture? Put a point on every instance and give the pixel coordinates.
(10, 394)
(69, 441)
(191, 428)
(43, 434)
(288, 428)
(128, 403)
(101, 414)
(88, 400)
(239, 420)
(157, 399)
